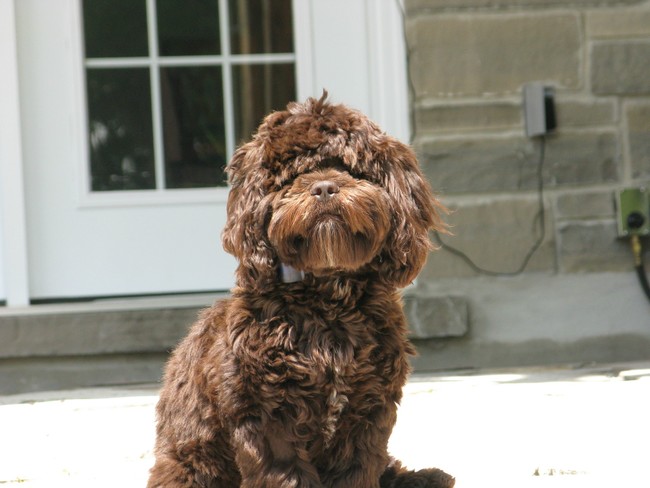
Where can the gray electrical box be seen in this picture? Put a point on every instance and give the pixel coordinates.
(633, 212)
(539, 109)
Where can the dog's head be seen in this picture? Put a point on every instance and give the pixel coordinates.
(322, 189)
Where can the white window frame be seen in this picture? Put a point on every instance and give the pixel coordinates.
(161, 195)
(13, 224)
(374, 37)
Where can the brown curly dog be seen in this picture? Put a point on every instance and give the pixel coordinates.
(294, 381)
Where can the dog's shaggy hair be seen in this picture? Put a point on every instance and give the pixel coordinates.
(295, 383)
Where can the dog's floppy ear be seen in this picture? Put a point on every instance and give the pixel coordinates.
(243, 235)
(415, 212)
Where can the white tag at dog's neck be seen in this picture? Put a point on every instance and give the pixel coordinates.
(289, 274)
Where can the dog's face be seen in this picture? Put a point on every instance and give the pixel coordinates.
(327, 220)
(320, 188)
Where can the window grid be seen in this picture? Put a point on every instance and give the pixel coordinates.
(154, 62)
(167, 61)
(228, 107)
(156, 109)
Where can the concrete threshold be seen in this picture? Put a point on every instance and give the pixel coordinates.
(193, 300)
(99, 342)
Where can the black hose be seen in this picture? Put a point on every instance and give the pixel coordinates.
(637, 251)
(643, 279)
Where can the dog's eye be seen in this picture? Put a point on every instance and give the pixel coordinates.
(357, 175)
(298, 242)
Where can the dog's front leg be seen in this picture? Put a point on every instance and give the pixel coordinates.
(359, 457)
(266, 459)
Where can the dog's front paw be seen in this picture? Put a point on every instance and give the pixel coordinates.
(428, 478)
(397, 477)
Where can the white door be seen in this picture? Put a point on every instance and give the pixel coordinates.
(129, 115)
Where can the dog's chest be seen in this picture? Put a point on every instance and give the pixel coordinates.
(337, 390)
(323, 367)
(337, 364)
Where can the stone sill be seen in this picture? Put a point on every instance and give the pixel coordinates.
(122, 326)
(155, 325)
(115, 304)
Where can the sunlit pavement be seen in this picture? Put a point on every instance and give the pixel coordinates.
(552, 427)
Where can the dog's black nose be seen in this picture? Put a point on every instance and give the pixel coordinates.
(324, 190)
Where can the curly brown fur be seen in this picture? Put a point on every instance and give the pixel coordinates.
(293, 385)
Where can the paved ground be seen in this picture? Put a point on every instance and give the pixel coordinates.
(554, 427)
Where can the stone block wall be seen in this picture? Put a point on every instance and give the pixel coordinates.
(468, 60)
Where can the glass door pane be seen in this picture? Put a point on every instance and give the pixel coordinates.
(260, 26)
(119, 124)
(257, 90)
(193, 126)
(188, 28)
(115, 28)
